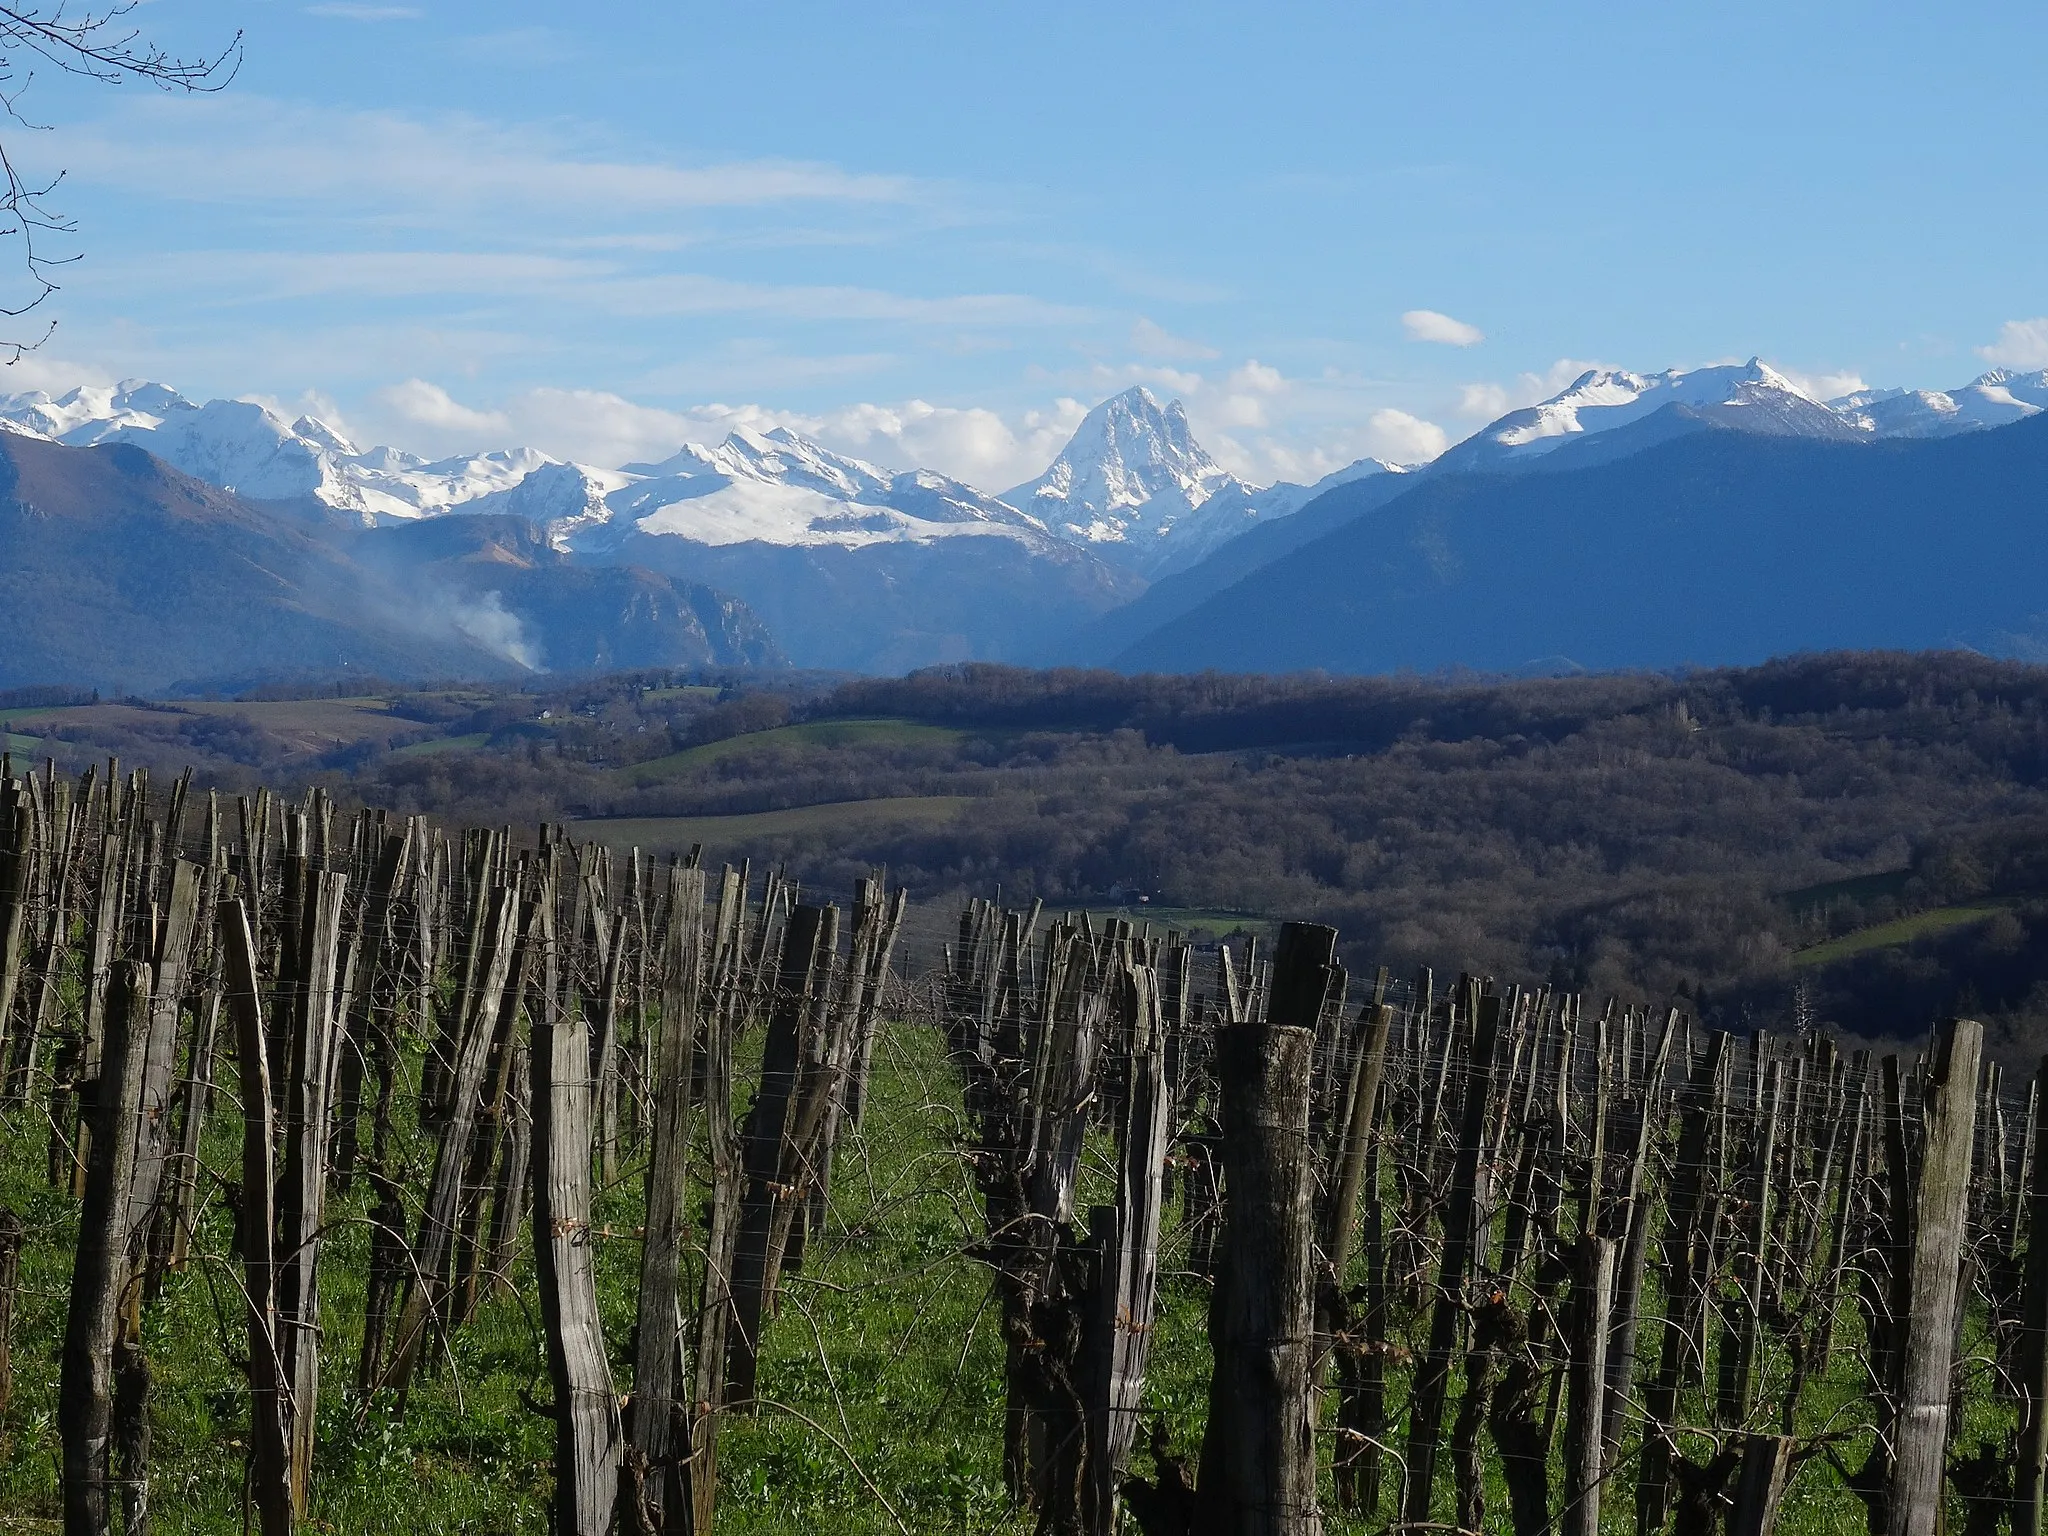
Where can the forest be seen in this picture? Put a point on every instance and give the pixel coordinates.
(1854, 839)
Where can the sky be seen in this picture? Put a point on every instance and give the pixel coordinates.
(934, 234)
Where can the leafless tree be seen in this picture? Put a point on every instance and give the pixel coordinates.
(96, 43)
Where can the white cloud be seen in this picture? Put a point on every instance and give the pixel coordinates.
(1429, 325)
(1403, 438)
(1150, 340)
(1488, 399)
(248, 148)
(432, 407)
(234, 278)
(974, 444)
(1825, 386)
(52, 375)
(2020, 344)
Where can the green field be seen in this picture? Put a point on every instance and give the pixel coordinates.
(1902, 930)
(883, 1371)
(442, 744)
(666, 832)
(1196, 922)
(816, 733)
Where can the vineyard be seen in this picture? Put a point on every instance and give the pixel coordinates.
(361, 1173)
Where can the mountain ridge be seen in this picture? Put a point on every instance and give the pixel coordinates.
(1713, 546)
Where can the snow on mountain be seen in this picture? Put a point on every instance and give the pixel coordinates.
(777, 487)
(90, 412)
(253, 450)
(1990, 400)
(1131, 477)
(1752, 396)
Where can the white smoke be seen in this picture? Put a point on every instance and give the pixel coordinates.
(490, 624)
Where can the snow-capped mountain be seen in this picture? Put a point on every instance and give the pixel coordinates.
(779, 488)
(1751, 396)
(1133, 488)
(1134, 482)
(1991, 400)
(248, 448)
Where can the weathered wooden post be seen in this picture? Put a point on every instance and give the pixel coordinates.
(1117, 1334)
(1591, 1319)
(270, 1467)
(769, 1124)
(588, 1442)
(100, 1271)
(17, 863)
(1940, 1204)
(11, 1237)
(659, 1421)
(1258, 1474)
(2031, 1482)
(301, 1190)
(1760, 1485)
(470, 1055)
(1433, 1375)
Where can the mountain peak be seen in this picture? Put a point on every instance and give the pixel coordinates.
(1130, 476)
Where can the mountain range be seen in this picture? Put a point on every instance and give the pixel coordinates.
(1133, 548)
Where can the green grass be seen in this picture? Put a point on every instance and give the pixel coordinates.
(825, 734)
(1196, 922)
(663, 832)
(21, 746)
(881, 1373)
(1904, 930)
(442, 744)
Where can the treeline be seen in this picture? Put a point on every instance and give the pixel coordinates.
(1939, 693)
(1661, 837)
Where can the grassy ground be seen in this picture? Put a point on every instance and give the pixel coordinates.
(881, 1378)
(442, 744)
(1202, 923)
(1902, 930)
(819, 733)
(724, 833)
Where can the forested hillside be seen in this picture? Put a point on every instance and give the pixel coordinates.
(1653, 836)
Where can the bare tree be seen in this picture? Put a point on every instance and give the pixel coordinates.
(96, 43)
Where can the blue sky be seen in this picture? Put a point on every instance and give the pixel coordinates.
(933, 233)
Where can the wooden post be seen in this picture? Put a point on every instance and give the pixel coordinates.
(1681, 1271)
(713, 1064)
(1119, 1332)
(1760, 1485)
(270, 1475)
(470, 1055)
(767, 1135)
(588, 1441)
(160, 1052)
(100, 1272)
(1433, 1375)
(11, 1238)
(2031, 1480)
(1592, 1299)
(301, 1190)
(17, 863)
(1258, 1474)
(1940, 1203)
(660, 1415)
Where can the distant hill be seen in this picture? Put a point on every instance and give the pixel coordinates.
(1712, 546)
(120, 572)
